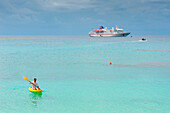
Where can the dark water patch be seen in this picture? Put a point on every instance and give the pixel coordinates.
(153, 50)
(145, 65)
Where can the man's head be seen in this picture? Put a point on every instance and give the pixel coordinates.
(35, 79)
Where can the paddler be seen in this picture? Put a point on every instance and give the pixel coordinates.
(35, 85)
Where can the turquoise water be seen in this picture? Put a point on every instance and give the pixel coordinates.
(76, 75)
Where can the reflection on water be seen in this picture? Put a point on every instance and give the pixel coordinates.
(35, 98)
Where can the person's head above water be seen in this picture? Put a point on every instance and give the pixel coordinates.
(35, 79)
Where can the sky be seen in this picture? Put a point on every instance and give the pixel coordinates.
(78, 17)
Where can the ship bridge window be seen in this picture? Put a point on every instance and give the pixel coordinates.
(119, 31)
(99, 31)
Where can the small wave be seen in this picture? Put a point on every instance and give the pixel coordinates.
(41, 43)
(142, 40)
(136, 41)
(132, 41)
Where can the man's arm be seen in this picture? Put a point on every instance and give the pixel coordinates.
(38, 87)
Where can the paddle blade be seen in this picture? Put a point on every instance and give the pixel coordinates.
(25, 78)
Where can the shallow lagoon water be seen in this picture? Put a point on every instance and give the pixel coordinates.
(76, 75)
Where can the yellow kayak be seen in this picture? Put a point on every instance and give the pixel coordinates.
(38, 91)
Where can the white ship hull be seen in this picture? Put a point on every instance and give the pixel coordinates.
(109, 35)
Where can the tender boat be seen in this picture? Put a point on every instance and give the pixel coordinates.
(143, 39)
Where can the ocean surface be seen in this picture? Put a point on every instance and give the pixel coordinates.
(75, 73)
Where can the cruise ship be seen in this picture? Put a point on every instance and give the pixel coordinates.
(104, 32)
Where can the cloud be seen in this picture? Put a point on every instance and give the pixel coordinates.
(69, 5)
(34, 7)
(40, 9)
(16, 10)
(159, 1)
(11, 7)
